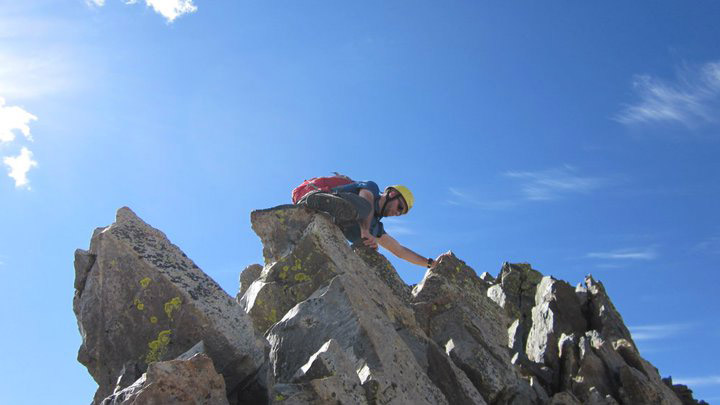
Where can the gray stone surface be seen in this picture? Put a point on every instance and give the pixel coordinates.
(604, 318)
(556, 312)
(515, 293)
(143, 300)
(182, 382)
(382, 268)
(564, 398)
(296, 267)
(340, 326)
(359, 303)
(384, 364)
(248, 275)
(452, 306)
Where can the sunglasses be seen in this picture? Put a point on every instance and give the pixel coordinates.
(401, 207)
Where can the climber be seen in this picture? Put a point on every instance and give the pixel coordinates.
(358, 207)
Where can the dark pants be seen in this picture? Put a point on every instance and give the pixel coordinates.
(351, 229)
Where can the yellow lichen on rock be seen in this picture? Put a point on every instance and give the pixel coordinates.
(145, 282)
(172, 305)
(138, 304)
(158, 347)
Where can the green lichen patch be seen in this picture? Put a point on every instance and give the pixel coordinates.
(171, 306)
(158, 347)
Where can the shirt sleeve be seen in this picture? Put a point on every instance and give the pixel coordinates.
(369, 185)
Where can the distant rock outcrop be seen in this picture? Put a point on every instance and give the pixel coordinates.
(325, 322)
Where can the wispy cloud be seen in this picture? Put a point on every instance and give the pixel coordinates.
(555, 183)
(656, 332)
(396, 226)
(698, 381)
(710, 245)
(25, 75)
(460, 197)
(19, 166)
(693, 98)
(170, 9)
(625, 254)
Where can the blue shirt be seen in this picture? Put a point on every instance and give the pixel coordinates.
(376, 227)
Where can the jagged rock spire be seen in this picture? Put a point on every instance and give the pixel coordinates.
(325, 322)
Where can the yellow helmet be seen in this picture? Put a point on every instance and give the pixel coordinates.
(406, 195)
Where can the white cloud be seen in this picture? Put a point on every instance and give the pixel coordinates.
(19, 167)
(625, 254)
(698, 381)
(554, 183)
(170, 9)
(98, 3)
(655, 332)
(692, 99)
(13, 118)
(710, 245)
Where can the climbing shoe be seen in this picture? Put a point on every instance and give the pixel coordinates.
(340, 209)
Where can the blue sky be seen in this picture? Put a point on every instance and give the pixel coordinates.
(582, 138)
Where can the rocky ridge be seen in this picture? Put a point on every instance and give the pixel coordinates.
(325, 322)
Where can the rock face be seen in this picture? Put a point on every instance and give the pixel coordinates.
(139, 300)
(325, 322)
(186, 382)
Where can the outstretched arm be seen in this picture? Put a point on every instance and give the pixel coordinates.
(389, 243)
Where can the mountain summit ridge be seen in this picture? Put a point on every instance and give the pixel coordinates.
(325, 322)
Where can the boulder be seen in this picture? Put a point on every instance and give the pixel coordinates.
(142, 300)
(564, 398)
(556, 312)
(515, 293)
(603, 317)
(360, 304)
(384, 270)
(300, 245)
(183, 382)
(325, 322)
(385, 366)
(452, 306)
(247, 276)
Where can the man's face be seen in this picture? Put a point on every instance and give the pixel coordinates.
(397, 206)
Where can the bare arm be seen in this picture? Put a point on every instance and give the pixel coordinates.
(389, 243)
(365, 222)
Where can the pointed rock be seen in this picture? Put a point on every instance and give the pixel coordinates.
(247, 277)
(452, 306)
(604, 318)
(297, 267)
(515, 293)
(182, 382)
(556, 312)
(344, 312)
(144, 301)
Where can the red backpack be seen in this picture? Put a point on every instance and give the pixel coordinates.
(320, 184)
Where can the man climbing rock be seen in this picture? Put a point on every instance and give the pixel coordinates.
(358, 207)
